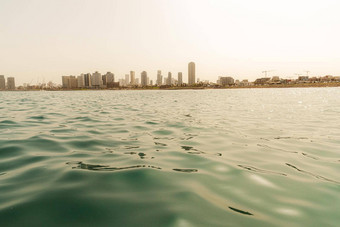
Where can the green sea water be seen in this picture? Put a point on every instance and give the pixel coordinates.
(243, 157)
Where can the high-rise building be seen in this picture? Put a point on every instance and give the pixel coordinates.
(104, 79)
(87, 80)
(73, 82)
(159, 78)
(144, 79)
(132, 78)
(179, 79)
(66, 82)
(10, 83)
(169, 80)
(137, 81)
(2, 82)
(127, 81)
(191, 73)
(80, 80)
(97, 81)
(110, 79)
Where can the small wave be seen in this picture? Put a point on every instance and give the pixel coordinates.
(309, 156)
(62, 130)
(289, 137)
(163, 138)
(186, 170)
(11, 151)
(40, 117)
(160, 144)
(151, 123)
(81, 165)
(239, 211)
(254, 169)
(130, 152)
(188, 148)
(87, 119)
(312, 174)
(195, 152)
(8, 122)
(131, 147)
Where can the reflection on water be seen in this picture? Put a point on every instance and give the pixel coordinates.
(246, 157)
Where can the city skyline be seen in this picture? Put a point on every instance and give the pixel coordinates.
(97, 80)
(42, 40)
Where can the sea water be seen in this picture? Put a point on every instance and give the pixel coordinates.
(237, 157)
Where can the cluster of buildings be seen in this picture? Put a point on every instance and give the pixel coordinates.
(10, 85)
(88, 80)
(98, 81)
(275, 80)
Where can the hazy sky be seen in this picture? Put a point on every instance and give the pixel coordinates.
(45, 39)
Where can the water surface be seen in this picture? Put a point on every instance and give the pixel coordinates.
(245, 157)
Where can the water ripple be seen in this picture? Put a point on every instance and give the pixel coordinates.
(254, 169)
(311, 174)
(81, 165)
(170, 158)
(240, 211)
(186, 170)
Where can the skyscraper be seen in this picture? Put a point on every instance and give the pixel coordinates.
(110, 78)
(169, 80)
(87, 80)
(104, 79)
(132, 78)
(80, 80)
(180, 79)
(97, 80)
(66, 81)
(127, 81)
(10, 83)
(191, 73)
(2, 82)
(144, 79)
(73, 82)
(159, 78)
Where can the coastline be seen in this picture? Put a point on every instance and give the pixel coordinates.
(293, 85)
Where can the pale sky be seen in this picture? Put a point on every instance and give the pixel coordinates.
(42, 40)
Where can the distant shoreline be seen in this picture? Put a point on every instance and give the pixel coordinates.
(298, 85)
